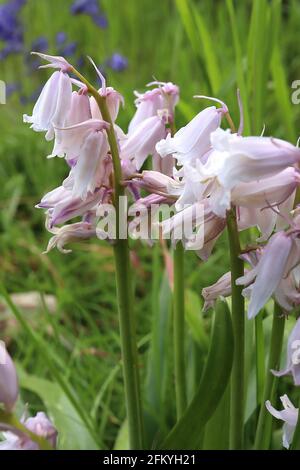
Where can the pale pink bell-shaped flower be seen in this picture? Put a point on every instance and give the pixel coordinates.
(268, 272)
(39, 425)
(68, 206)
(9, 388)
(141, 142)
(54, 197)
(156, 182)
(268, 191)
(193, 188)
(287, 293)
(150, 103)
(163, 165)
(68, 234)
(289, 415)
(193, 140)
(170, 94)
(200, 217)
(293, 356)
(150, 200)
(237, 159)
(70, 140)
(80, 111)
(220, 289)
(128, 168)
(113, 100)
(90, 164)
(264, 219)
(52, 106)
(243, 159)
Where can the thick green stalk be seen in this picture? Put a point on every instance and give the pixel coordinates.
(238, 323)
(125, 302)
(128, 343)
(296, 438)
(179, 323)
(124, 290)
(178, 327)
(260, 358)
(264, 426)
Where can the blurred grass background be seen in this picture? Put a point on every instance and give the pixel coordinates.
(69, 359)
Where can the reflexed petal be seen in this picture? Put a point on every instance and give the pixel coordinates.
(56, 62)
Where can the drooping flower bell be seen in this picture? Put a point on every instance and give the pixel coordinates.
(80, 111)
(193, 140)
(196, 226)
(54, 102)
(220, 289)
(142, 140)
(113, 101)
(237, 159)
(271, 191)
(289, 415)
(293, 356)
(70, 140)
(68, 234)
(279, 257)
(152, 102)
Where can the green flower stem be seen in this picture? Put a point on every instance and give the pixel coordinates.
(124, 290)
(296, 439)
(260, 358)
(264, 426)
(178, 327)
(12, 421)
(128, 342)
(238, 323)
(179, 323)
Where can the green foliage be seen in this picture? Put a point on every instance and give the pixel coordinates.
(188, 431)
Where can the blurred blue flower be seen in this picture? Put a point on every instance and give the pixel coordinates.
(11, 48)
(100, 20)
(91, 8)
(80, 62)
(117, 62)
(40, 44)
(61, 38)
(69, 49)
(88, 7)
(10, 27)
(11, 88)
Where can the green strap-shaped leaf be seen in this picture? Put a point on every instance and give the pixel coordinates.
(187, 433)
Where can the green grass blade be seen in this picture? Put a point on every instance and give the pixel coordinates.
(209, 53)
(187, 433)
(239, 63)
(282, 95)
(216, 435)
(44, 351)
